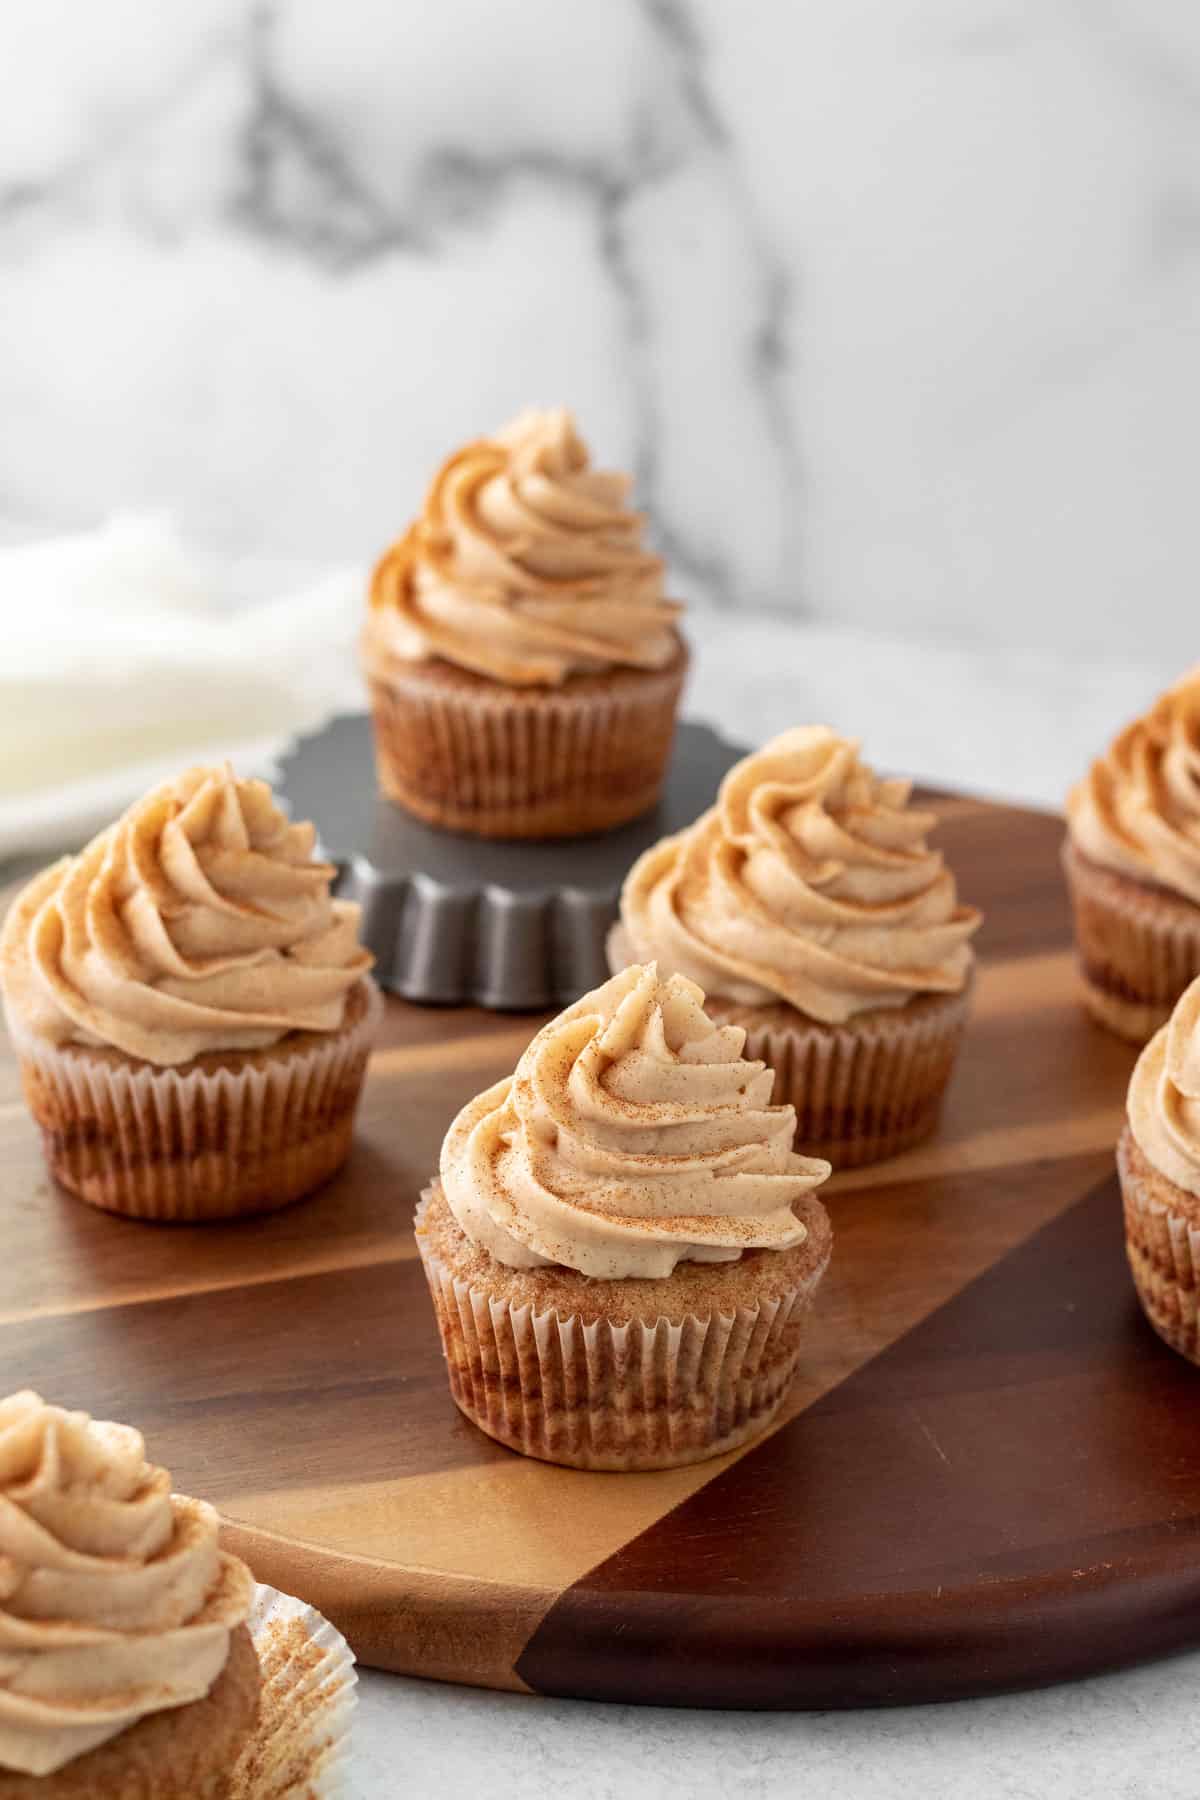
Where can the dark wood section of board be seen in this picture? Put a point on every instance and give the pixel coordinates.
(1006, 1496)
(988, 1474)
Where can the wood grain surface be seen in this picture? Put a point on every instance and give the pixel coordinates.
(988, 1474)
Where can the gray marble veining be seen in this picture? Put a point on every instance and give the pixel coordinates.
(892, 309)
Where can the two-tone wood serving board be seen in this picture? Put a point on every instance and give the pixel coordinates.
(989, 1474)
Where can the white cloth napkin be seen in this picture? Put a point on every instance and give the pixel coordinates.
(125, 658)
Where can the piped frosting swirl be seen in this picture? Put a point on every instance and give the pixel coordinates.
(1164, 1095)
(810, 882)
(632, 1136)
(115, 1601)
(526, 565)
(199, 921)
(1137, 811)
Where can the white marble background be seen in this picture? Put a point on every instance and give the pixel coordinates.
(894, 305)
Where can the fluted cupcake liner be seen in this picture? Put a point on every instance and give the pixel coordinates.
(864, 1090)
(1139, 947)
(307, 1701)
(590, 1393)
(499, 762)
(1163, 1246)
(220, 1138)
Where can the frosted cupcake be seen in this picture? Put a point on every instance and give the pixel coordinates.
(810, 908)
(1132, 858)
(126, 1666)
(622, 1242)
(522, 658)
(1159, 1162)
(191, 1009)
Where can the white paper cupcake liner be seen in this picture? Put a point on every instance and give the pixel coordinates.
(308, 1698)
(1139, 948)
(1164, 1259)
(497, 761)
(158, 1143)
(865, 1091)
(592, 1394)
(862, 1091)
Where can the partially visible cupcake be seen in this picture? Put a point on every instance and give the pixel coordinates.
(126, 1665)
(1132, 858)
(1159, 1162)
(191, 1009)
(622, 1241)
(811, 910)
(522, 657)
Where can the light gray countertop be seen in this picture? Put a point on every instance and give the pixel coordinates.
(1131, 1736)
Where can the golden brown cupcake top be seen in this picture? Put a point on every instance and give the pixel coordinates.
(1164, 1095)
(199, 921)
(1138, 809)
(115, 1601)
(525, 566)
(633, 1136)
(811, 882)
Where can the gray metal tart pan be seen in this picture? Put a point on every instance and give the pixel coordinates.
(456, 920)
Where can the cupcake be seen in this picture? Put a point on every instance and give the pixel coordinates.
(809, 907)
(191, 1009)
(522, 659)
(126, 1666)
(1159, 1163)
(622, 1242)
(1132, 857)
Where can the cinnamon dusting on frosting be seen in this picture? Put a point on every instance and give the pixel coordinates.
(199, 921)
(115, 1601)
(1137, 811)
(632, 1136)
(1164, 1095)
(810, 881)
(526, 565)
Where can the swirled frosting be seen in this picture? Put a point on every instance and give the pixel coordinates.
(633, 1136)
(1138, 809)
(810, 881)
(115, 1601)
(526, 566)
(1164, 1095)
(199, 921)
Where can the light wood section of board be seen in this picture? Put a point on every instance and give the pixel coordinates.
(446, 1569)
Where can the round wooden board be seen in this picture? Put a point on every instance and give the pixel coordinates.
(989, 1474)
